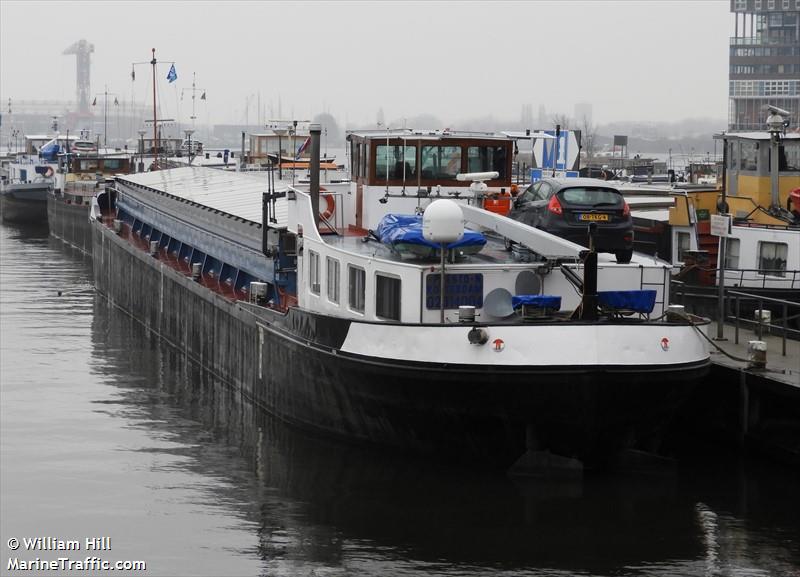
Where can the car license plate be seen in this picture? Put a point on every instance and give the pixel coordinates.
(594, 217)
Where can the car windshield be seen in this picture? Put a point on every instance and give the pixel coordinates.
(592, 196)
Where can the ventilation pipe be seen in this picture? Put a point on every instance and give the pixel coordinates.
(315, 131)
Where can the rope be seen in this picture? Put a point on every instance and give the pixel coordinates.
(715, 345)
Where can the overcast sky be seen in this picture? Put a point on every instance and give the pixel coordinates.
(632, 60)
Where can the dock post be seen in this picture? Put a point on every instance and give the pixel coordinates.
(744, 406)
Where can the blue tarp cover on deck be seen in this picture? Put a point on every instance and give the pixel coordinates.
(395, 229)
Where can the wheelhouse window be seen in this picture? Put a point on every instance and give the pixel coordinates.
(732, 253)
(395, 162)
(789, 157)
(354, 159)
(356, 285)
(772, 258)
(440, 162)
(684, 242)
(387, 297)
(487, 159)
(313, 272)
(333, 279)
(749, 159)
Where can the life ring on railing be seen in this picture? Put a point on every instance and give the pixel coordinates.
(330, 205)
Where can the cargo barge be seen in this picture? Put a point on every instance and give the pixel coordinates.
(317, 322)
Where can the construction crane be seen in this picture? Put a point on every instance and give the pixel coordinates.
(82, 49)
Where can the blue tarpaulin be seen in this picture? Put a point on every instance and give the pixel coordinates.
(50, 150)
(403, 230)
(641, 301)
(539, 301)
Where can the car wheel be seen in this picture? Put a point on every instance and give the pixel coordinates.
(624, 256)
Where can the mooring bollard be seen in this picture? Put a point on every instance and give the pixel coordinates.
(117, 226)
(154, 248)
(197, 269)
(763, 318)
(756, 355)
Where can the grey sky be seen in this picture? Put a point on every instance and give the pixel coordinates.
(633, 60)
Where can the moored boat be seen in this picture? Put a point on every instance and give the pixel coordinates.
(26, 180)
(287, 294)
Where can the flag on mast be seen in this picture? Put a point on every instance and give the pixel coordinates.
(172, 76)
(303, 147)
(133, 73)
(203, 97)
(94, 102)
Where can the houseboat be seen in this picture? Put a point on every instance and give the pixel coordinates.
(81, 177)
(387, 310)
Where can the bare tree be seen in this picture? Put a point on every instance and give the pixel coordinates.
(588, 135)
(563, 120)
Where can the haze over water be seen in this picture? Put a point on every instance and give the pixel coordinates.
(105, 431)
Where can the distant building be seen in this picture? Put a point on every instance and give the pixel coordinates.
(764, 62)
(583, 111)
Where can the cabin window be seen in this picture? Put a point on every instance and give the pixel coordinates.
(333, 280)
(684, 241)
(112, 163)
(357, 279)
(313, 272)
(772, 258)
(732, 253)
(441, 162)
(395, 162)
(749, 158)
(387, 297)
(487, 159)
(789, 157)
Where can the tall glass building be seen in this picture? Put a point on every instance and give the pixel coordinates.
(764, 62)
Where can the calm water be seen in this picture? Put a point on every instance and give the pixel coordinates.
(107, 432)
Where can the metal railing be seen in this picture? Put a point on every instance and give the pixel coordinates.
(753, 277)
(680, 296)
(785, 318)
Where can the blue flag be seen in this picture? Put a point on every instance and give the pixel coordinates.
(172, 76)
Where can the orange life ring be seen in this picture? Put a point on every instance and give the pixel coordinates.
(330, 206)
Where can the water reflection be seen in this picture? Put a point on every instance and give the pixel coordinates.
(313, 506)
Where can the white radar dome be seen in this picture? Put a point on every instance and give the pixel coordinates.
(443, 222)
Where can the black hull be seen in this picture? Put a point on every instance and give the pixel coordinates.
(291, 366)
(69, 222)
(588, 413)
(22, 210)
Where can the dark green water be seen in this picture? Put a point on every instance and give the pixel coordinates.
(105, 431)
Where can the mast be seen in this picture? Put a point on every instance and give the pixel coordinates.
(155, 125)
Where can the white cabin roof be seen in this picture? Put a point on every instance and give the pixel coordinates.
(759, 135)
(234, 193)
